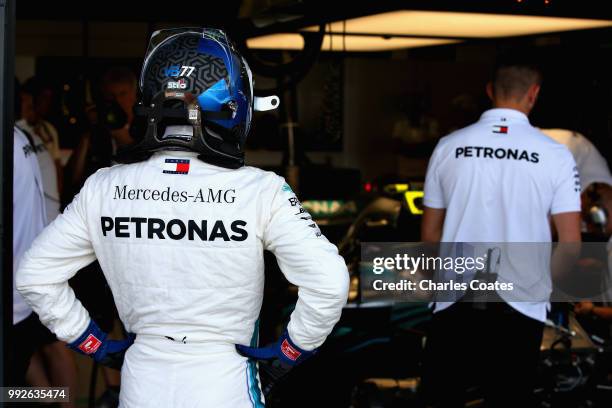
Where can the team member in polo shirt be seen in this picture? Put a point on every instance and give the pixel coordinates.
(596, 186)
(29, 219)
(498, 180)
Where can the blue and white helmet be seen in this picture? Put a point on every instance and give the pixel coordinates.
(197, 94)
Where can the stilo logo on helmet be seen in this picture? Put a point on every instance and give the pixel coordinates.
(180, 84)
(197, 77)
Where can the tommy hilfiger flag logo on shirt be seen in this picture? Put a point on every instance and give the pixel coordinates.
(500, 129)
(176, 166)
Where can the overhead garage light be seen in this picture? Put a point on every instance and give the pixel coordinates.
(352, 43)
(460, 25)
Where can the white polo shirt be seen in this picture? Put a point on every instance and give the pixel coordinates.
(499, 180)
(29, 217)
(46, 152)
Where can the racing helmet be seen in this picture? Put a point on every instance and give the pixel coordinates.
(196, 93)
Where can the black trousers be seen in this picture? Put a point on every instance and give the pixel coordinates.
(496, 349)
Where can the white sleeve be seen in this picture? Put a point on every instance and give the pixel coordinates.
(25, 227)
(309, 261)
(566, 195)
(57, 254)
(433, 192)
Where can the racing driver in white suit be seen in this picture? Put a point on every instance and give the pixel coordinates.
(179, 229)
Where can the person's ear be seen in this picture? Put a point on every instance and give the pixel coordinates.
(534, 92)
(490, 92)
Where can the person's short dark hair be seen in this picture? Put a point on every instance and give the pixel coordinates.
(34, 86)
(121, 75)
(513, 77)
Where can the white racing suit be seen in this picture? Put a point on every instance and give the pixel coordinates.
(181, 245)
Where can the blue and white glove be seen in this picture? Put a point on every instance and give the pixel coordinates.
(276, 360)
(284, 350)
(93, 343)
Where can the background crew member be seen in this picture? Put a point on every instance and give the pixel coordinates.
(110, 120)
(29, 219)
(36, 103)
(497, 180)
(596, 198)
(52, 364)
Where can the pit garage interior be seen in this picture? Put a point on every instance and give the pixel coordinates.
(367, 88)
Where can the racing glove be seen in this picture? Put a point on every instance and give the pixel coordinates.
(276, 360)
(94, 343)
